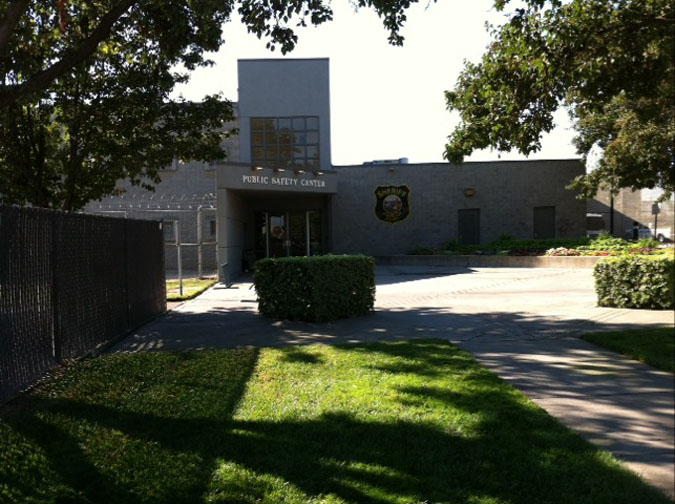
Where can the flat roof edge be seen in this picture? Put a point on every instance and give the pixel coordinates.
(465, 163)
(238, 164)
(284, 59)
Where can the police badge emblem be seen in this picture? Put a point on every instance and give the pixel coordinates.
(391, 203)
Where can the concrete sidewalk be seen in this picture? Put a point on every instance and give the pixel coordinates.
(521, 323)
(616, 403)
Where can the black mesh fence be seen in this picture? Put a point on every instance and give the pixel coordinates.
(26, 298)
(146, 284)
(70, 283)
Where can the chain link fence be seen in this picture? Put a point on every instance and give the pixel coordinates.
(69, 283)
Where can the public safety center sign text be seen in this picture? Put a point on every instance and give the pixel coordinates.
(282, 181)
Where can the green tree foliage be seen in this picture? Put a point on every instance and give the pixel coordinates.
(611, 64)
(85, 87)
(40, 41)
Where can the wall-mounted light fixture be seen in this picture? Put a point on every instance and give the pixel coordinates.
(299, 171)
(317, 173)
(256, 168)
(277, 170)
(469, 192)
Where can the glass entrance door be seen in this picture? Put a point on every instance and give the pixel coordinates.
(277, 240)
(297, 236)
(281, 234)
(314, 232)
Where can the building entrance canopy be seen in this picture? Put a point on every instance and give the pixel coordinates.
(265, 212)
(247, 177)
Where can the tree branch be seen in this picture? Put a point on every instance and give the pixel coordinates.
(41, 80)
(654, 21)
(9, 20)
(664, 21)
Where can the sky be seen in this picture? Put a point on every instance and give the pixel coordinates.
(386, 102)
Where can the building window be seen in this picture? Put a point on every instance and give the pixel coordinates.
(212, 227)
(285, 142)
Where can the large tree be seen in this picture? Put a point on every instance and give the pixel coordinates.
(610, 63)
(85, 87)
(183, 29)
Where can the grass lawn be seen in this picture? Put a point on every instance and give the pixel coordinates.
(655, 347)
(191, 289)
(410, 422)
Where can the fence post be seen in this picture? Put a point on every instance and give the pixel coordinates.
(125, 239)
(180, 261)
(199, 242)
(57, 344)
(162, 249)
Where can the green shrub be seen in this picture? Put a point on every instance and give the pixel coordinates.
(452, 245)
(607, 242)
(315, 289)
(505, 243)
(538, 244)
(636, 282)
(646, 243)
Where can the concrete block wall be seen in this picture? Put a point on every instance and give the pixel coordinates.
(232, 224)
(176, 197)
(634, 206)
(182, 189)
(505, 192)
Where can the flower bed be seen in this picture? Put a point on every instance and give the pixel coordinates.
(604, 245)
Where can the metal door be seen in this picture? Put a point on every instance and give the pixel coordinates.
(544, 222)
(469, 226)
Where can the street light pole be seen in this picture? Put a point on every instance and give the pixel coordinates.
(611, 214)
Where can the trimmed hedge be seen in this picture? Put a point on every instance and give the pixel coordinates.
(636, 282)
(315, 289)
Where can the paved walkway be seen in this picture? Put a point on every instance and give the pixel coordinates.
(521, 323)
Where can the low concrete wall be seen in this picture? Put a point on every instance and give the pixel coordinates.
(479, 261)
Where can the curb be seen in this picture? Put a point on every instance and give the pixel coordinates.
(478, 261)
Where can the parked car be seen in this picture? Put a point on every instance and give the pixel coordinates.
(662, 234)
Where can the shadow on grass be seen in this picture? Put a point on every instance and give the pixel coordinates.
(513, 451)
(299, 354)
(590, 372)
(107, 431)
(655, 347)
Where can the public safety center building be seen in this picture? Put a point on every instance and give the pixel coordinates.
(280, 195)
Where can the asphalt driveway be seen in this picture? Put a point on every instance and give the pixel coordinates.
(450, 303)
